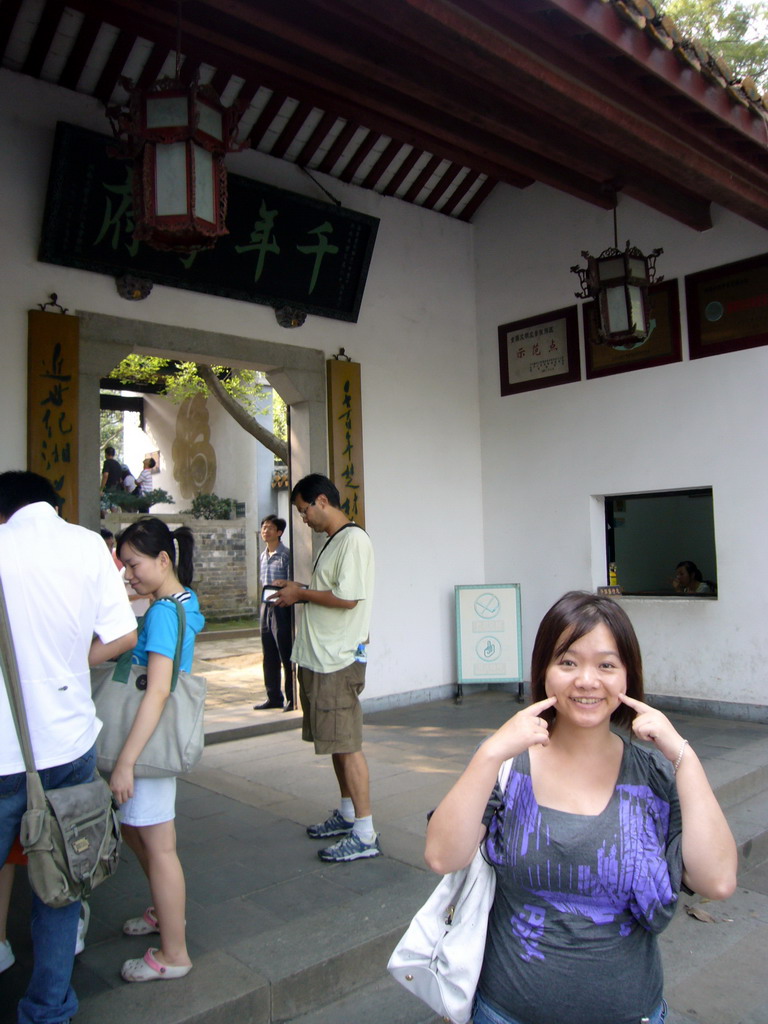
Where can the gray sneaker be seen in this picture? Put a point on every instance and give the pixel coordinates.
(334, 825)
(351, 847)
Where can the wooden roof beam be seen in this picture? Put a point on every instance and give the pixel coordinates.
(612, 72)
(239, 57)
(360, 115)
(43, 37)
(544, 88)
(420, 84)
(9, 12)
(113, 68)
(603, 20)
(425, 132)
(78, 55)
(695, 213)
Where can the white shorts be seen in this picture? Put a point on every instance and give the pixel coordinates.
(153, 802)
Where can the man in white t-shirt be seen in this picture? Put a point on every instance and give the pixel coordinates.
(330, 650)
(68, 610)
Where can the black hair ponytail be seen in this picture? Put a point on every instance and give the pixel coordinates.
(185, 542)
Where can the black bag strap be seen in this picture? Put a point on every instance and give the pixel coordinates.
(13, 685)
(334, 535)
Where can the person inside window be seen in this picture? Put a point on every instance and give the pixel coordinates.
(688, 580)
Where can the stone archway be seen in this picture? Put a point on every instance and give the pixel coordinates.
(297, 374)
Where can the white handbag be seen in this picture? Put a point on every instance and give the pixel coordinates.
(440, 956)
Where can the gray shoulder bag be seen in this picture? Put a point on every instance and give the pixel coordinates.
(118, 689)
(71, 836)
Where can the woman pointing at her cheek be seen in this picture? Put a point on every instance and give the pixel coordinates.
(593, 836)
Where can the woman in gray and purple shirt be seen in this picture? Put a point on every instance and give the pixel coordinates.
(593, 837)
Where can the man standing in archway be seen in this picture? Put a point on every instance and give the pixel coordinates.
(276, 636)
(330, 651)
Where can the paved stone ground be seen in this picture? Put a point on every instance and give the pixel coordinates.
(234, 672)
(233, 668)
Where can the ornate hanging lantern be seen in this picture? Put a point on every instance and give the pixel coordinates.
(177, 136)
(618, 281)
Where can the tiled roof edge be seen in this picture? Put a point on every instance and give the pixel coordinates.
(691, 52)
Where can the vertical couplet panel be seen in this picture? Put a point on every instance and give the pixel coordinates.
(345, 436)
(52, 405)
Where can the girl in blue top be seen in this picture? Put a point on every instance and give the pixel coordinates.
(147, 549)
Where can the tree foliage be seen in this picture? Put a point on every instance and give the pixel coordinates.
(178, 381)
(111, 428)
(733, 30)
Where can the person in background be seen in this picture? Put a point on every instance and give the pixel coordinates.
(276, 632)
(128, 480)
(109, 539)
(330, 650)
(688, 580)
(68, 610)
(111, 471)
(147, 549)
(593, 836)
(139, 603)
(144, 479)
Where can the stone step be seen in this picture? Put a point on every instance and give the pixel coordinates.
(386, 1002)
(749, 824)
(711, 973)
(381, 1002)
(742, 786)
(223, 727)
(275, 976)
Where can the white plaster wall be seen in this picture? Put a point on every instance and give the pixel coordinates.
(415, 339)
(464, 486)
(161, 425)
(547, 453)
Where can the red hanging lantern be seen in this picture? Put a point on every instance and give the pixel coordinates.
(177, 136)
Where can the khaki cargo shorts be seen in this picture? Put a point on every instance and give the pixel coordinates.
(333, 717)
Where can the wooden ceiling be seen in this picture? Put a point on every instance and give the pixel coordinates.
(436, 101)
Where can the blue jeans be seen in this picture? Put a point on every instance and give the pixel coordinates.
(485, 1014)
(50, 998)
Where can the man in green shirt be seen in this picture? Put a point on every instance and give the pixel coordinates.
(330, 651)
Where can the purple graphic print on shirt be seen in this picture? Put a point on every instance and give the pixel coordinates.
(618, 875)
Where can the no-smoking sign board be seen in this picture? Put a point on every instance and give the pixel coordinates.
(488, 635)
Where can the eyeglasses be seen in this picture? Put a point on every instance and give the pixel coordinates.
(303, 511)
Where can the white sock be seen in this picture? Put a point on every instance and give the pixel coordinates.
(347, 808)
(364, 828)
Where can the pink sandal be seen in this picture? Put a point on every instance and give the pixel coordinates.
(144, 925)
(147, 968)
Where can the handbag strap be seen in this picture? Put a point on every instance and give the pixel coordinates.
(13, 684)
(506, 768)
(124, 662)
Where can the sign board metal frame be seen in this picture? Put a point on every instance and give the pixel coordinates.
(488, 633)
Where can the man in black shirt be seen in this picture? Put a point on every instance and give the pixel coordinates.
(111, 472)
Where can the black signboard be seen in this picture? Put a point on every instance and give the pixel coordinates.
(283, 249)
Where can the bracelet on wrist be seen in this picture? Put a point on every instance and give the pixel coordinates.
(679, 758)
